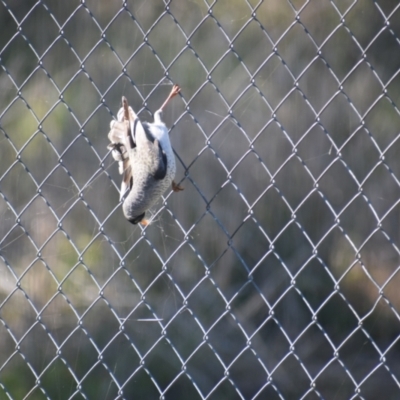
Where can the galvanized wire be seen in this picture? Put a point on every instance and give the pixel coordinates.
(274, 274)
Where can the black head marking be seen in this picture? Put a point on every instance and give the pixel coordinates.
(137, 219)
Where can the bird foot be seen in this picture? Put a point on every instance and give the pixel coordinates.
(176, 187)
(174, 91)
(144, 222)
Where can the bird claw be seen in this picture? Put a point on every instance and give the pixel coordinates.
(176, 187)
(175, 90)
(144, 222)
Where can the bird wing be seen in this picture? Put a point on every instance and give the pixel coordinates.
(118, 146)
(160, 159)
(149, 149)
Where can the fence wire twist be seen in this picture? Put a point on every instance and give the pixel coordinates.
(274, 274)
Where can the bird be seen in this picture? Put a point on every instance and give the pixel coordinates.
(145, 157)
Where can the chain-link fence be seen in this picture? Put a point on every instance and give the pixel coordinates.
(274, 274)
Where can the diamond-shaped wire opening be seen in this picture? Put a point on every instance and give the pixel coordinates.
(304, 115)
(294, 194)
(79, 281)
(320, 18)
(273, 80)
(39, 29)
(140, 384)
(58, 244)
(188, 15)
(193, 337)
(99, 380)
(379, 54)
(214, 305)
(208, 159)
(14, 179)
(203, 358)
(120, 292)
(18, 250)
(314, 282)
(59, 319)
(162, 352)
(39, 93)
(209, 42)
(318, 84)
(182, 383)
(360, 367)
(80, 238)
(228, 21)
(120, 357)
(261, 47)
(19, 124)
(338, 193)
(335, 372)
(230, 76)
(160, 41)
(137, 69)
(110, 68)
(88, 28)
(384, 130)
(296, 38)
(247, 107)
(366, 220)
(11, 63)
(102, 13)
(275, 17)
(316, 150)
(381, 376)
(313, 339)
(192, 82)
(247, 359)
(362, 75)
(55, 376)
(230, 274)
(7, 376)
(252, 255)
(250, 165)
(38, 284)
(81, 107)
(38, 361)
(126, 44)
(364, 36)
(91, 322)
(186, 269)
(208, 118)
(338, 328)
(281, 377)
(39, 157)
(77, 350)
(18, 314)
(383, 198)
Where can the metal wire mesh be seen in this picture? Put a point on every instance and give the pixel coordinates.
(275, 274)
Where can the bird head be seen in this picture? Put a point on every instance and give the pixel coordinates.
(136, 220)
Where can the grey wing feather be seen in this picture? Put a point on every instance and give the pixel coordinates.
(117, 136)
(156, 157)
(160, 161)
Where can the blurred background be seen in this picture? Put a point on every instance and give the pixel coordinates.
(274, 274)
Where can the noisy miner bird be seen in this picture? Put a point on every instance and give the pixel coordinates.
(145, 157)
